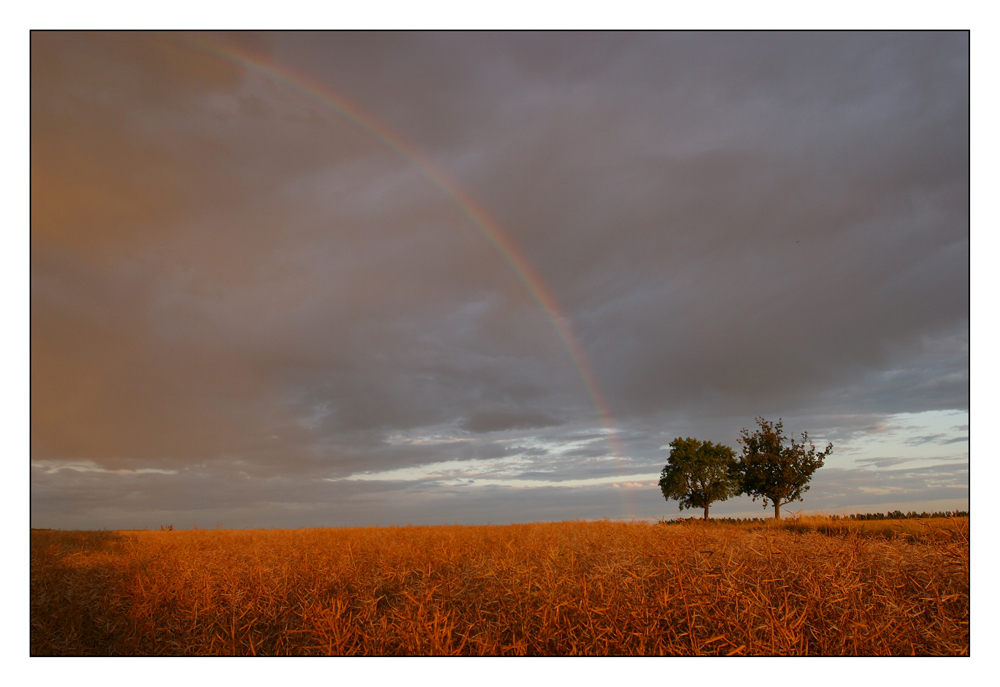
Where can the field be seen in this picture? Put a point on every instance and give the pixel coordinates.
(809, 586)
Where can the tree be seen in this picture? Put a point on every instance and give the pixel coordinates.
(773, 471)
(698, 473)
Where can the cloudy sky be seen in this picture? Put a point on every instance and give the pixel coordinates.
(358, 278)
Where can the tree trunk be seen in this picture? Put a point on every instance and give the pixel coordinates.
(777, 510)
(706, 512)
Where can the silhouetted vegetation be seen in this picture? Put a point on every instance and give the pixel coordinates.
(773, 467)
(699, 473)
(891, 515)
(776, 468)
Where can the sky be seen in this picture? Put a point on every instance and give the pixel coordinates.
(348, 279)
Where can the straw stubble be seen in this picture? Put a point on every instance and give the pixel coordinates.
(571, 588)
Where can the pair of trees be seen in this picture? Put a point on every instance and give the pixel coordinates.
(773, 468)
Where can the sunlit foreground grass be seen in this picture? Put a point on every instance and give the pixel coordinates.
(591, 588)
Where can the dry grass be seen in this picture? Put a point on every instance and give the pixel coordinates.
(573, 588)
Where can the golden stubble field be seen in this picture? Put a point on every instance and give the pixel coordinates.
(807, 587)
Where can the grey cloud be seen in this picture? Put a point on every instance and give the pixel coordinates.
(882, 462)
(885, 462)
(499, 420)
(730, 245)
(591, 470)
(934, 439)
(926, 439)
(533, 451)
(841, 488)
(91, 500)
(229, 276)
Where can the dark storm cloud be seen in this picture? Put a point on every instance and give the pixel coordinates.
(231, 278)
(499, 420)
(753, 241)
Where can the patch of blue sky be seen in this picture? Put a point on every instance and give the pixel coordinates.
(913, 438)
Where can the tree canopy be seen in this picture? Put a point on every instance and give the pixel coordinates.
(698, 473)
(776, 468)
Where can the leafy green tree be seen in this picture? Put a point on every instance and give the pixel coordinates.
(698, 473)
(776, 468)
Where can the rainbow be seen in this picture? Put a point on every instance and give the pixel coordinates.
(315, 90)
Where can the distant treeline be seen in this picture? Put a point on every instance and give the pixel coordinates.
(900, 515)
(892, 515)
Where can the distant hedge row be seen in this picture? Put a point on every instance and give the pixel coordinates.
(900, 515)
(892, 515)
